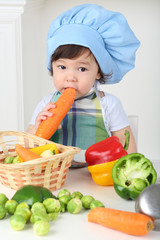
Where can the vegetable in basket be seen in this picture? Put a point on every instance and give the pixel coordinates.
(16, 160)
(8, 159)
(25, 154)
(48, 126)
(101, 157)
(48, 153)
(31, 194)
(39, 150)
(132, 174)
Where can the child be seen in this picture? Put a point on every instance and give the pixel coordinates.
(88, 46)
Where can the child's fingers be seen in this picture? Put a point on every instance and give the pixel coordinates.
(44, 114)
(49, 106)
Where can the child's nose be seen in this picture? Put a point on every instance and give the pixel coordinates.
(71, 77)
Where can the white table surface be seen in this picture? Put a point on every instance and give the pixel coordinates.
(69, 226)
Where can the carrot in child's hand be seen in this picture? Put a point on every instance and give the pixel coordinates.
(25, 154)
(48, 126)
(127, 222)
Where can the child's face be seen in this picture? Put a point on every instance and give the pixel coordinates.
(79, 73)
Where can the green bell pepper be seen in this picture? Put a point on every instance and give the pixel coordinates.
(31, 194)
(131, 174)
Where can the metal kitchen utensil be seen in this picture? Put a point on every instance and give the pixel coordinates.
(148, 203)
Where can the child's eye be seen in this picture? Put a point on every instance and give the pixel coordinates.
(61, 67)
(82, 69)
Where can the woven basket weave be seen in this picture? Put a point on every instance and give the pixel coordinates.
(52, 176)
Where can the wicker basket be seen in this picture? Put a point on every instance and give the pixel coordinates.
(52, 176)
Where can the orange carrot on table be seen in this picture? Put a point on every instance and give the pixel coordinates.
(48, 126)
(25, 154)
(127, 222)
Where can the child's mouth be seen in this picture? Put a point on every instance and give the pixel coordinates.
(67, 87)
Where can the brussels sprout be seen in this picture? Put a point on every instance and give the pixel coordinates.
(76, 194)
(11, 206)
(25, 212)
(38, 207)
(63, 192)
(52, 205)
(96, 203)
(41, 228)
(3, 198)
(52, 216)
(63, 207)
(22, 205)
(8, 159)
(3, 211)
(17, 222)
(86, 201)
(74, 205)
(65, 199)
(16, 160)
(38, 216)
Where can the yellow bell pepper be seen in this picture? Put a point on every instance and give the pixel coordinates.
(102, 173)
(40, 149)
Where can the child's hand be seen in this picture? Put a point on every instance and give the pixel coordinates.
(44, 114)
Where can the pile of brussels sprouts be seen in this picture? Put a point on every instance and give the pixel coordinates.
(41, 214)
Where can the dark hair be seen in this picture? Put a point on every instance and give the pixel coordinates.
(71, 51)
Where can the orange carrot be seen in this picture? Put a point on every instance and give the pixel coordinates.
(48, 127)
(128, 222)
(25, 154)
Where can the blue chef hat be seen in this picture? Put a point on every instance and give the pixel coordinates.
(106, 33)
